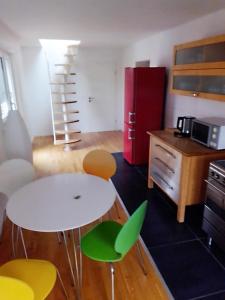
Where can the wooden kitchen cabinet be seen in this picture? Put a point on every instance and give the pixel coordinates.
(208, 53)
(179, 166)
(209, 84)
(199, 68)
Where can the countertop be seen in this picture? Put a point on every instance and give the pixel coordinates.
(183, 145)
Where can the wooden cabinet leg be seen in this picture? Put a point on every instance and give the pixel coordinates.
(181, 213)
(150, 183)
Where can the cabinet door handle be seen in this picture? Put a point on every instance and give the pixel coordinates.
(130, 137)
(130, 115)
(164, 164)
(163, 180)
(167, 151)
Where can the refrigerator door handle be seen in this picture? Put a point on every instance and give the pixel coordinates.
(130, 137)
(131, 117)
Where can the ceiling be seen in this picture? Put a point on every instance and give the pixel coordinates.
(99, 22)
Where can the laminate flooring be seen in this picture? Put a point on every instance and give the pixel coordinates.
(130, 282)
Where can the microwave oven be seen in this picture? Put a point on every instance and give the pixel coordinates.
(209, 132)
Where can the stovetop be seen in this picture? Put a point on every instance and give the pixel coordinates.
(220, 164)
(217, 171)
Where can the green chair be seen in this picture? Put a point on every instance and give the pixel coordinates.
(110, 241)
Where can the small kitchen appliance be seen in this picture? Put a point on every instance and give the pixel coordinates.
(214, 209)
(209, 132)
(184, 125)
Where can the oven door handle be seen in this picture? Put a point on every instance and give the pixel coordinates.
(216, 188)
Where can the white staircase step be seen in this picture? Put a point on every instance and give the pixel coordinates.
(68, 55)
(60, 132)
(62, 142)
(65, 102)
(62, 122)
(62, 83)
(66, 73)
(66, 112)
(62, 65)
(64, 93)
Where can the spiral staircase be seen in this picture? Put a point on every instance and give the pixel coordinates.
(65, 115)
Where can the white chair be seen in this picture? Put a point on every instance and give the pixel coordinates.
(14, 174)
(17, 141)
(17, 171)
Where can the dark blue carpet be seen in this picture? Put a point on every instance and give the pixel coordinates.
(190, 269)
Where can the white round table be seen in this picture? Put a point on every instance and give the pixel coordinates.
(60, 202)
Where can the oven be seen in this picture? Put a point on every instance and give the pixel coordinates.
(214, 209)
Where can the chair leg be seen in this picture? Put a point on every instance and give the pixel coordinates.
(81, 259)
(59, 237)
(141, 260)
(62, 284)
(112, 280)
(12, 239)
(23, 242)
(110, 215)
(69, 259)
(17, 239)
(117, 210)
(75, 258)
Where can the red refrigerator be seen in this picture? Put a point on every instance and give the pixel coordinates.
(143, 111)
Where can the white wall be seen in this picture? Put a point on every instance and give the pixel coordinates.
(8, 40)
(159, 50)
(36, 102)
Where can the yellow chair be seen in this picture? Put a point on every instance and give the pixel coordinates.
(14, 289)
(100, 163)
(39, 275)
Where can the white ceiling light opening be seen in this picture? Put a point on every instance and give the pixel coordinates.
(56, 48)
(61, 45)
(49, 43)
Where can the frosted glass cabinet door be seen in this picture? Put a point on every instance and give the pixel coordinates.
(17, 139)
(186, 83)
(189, 56)
(200, 84)
(200, 54)
(213, 84)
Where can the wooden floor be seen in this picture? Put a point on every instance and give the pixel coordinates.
(130, 282)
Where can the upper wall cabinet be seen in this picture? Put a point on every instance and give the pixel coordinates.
(199, 68)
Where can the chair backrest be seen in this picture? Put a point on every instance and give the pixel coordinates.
(14, 289)
(130, 231)
(16, 137)
(100, 163)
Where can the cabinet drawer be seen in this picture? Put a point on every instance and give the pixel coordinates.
(164, 156)
(172, 180)
(171, 188)
(165, 168)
